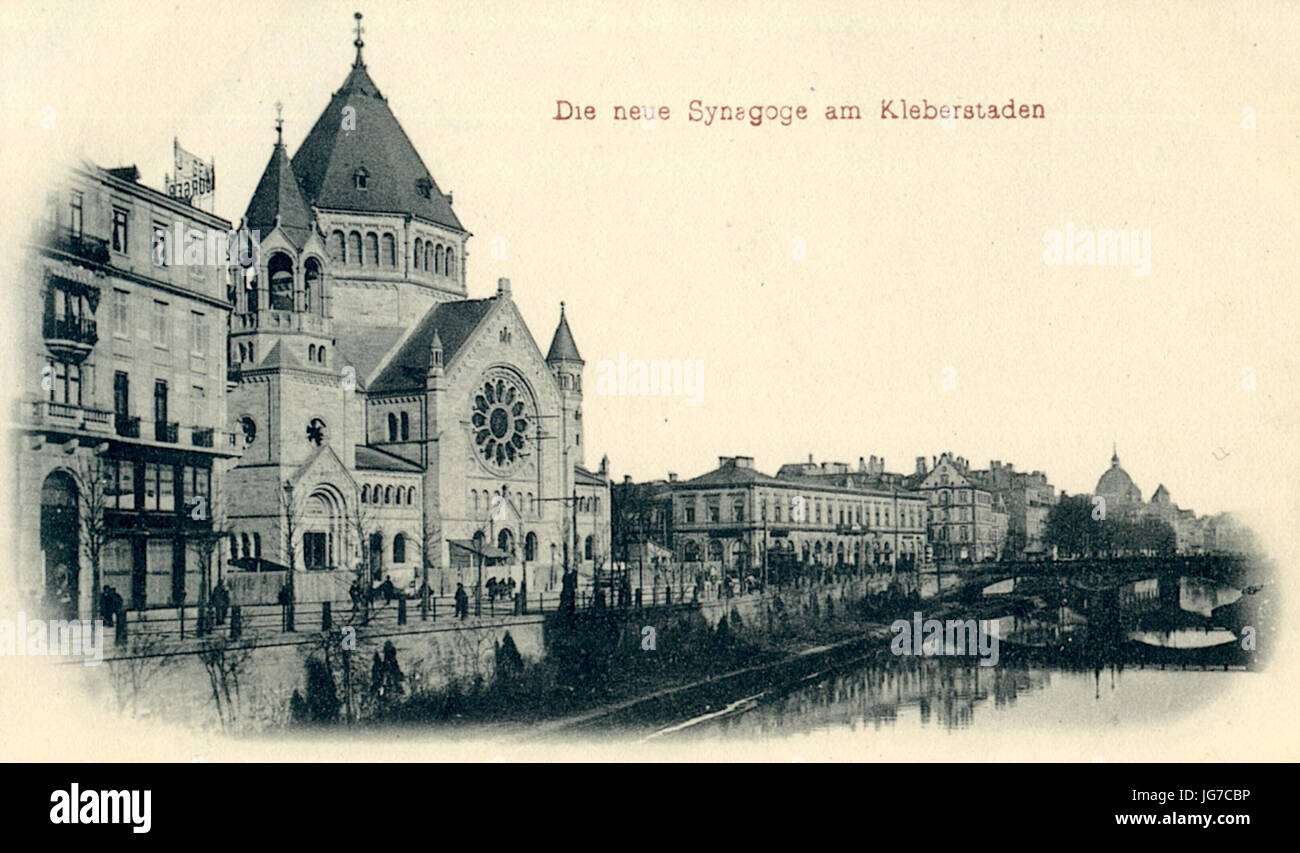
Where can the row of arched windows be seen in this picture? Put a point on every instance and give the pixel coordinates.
(435, 258)
(588, 504)
(279, 270)
(524, 502)
(376, 494)
(396, 428)
(316, 354)
(372, 250)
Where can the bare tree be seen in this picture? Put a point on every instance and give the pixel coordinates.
(224, 659)
(93, 477)
(147, 654)
(291, 509)
(208, 543)
(360, 519)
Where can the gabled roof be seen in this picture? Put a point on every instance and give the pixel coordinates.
(562, 346)
(367, 137)
(277, 194)
(374, 459)
(453, 321)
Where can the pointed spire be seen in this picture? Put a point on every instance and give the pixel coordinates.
(279, 125)
(562, 346)
(435, 349)
(357, 63)
(1114, 456)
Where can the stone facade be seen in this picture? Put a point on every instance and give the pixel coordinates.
(123, 429)
(395, 428)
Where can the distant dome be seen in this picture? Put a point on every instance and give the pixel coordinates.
(1115, 485)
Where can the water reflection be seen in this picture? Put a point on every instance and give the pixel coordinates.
(944, 694)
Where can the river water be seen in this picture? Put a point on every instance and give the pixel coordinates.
(1143, 652)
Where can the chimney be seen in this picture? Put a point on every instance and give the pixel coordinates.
(920, 465)
(503, 287)
(745, 462)
(860, 465)
(810, 459)
(627, 479)
(726, 462)
(672, 476)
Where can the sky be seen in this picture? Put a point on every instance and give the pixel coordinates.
(848, 288)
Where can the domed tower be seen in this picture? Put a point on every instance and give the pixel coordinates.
(1118, 488)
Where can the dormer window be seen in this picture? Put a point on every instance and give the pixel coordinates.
(424, 187)
(360, 178)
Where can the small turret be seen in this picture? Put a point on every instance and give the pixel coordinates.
(434, 376)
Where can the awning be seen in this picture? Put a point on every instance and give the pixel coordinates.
(487, 552)
(256, 564)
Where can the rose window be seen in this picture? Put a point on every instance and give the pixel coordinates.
(500, 421)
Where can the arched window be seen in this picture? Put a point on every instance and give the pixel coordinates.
(243, 353)
(437, 260)
(399, 548)
(586, 548)
(372, 249)
(410, 495)
(365, 494)
(311, 352)
(361, 178)
(310, 283)
(449, 264)
(354, 247)
(338, 251)
(388, 494)
(257, 545)
(320, 354)
(530, 547)
(248, 550)
(280, 269)
(532, 503)
(406, 426)
(691, 553)
(418, 254)
(474, 492)
(251, 357)
(392, 427)
(428, 256)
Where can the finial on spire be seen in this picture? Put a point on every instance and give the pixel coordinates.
(358, 42)
(279, 123)
(1114, 455)
(561, 309)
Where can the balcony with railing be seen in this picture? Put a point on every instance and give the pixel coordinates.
(70, 338)
(79, 245)
(49, 413)
(168, 431)
(201, 436)
(127, 426)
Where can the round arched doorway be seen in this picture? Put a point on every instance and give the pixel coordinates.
(59, 545)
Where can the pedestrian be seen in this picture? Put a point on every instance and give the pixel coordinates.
(510, 586)
(388, 589)
(221, 601)
(462, 601)
(354, 592)
(106, 605)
